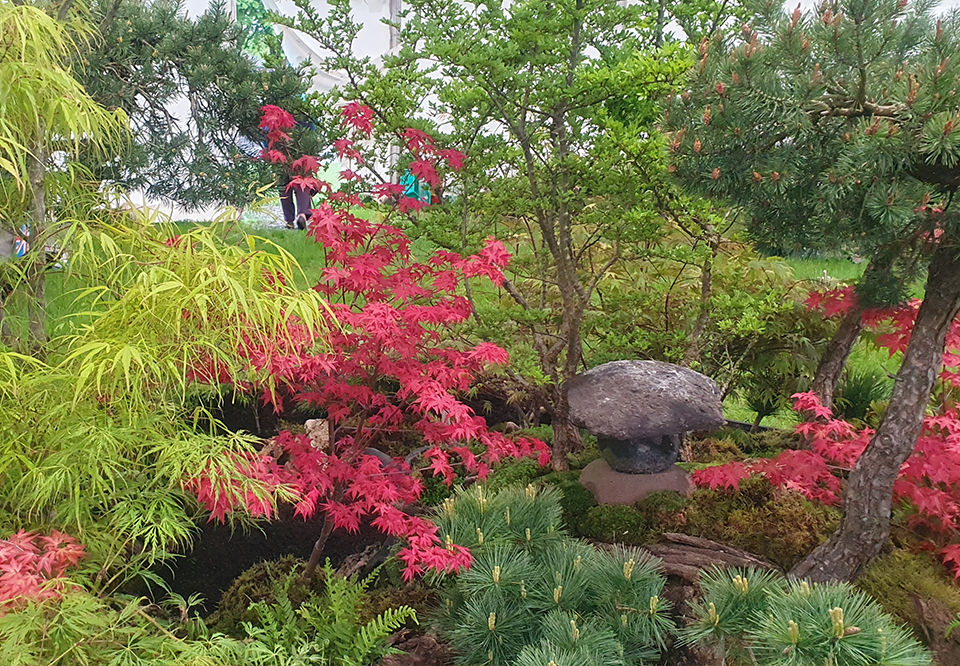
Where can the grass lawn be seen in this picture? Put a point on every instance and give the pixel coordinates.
(814, 269)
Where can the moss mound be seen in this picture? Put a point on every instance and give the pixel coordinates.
(780, 526)
(895, 580)
(257, 584)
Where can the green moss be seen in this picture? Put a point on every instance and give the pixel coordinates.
(616, 524)
(894, 580)
(780, 526)
(514, 471)
(257, 584)
(711, 450)
(576, 502)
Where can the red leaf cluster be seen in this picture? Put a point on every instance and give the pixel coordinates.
(32, 566)
(391, 369)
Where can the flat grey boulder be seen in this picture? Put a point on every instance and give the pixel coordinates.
(639, 400)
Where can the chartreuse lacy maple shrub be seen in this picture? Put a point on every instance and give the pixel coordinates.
(535, 596)
(390, 366)
(929, 481)
(755, 617)
(47, 616)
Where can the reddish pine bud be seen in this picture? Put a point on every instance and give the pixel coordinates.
(715, 174)
(795, 18)
(672, 168)
(697, 146)
(870, 131)
(735, 78)
(827, 16)
(901, 4)
(939, 29)
(720, 88)
(775, 177)
(707, 115)
(757, 177)
(948, 127)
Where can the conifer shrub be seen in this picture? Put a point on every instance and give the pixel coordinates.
(754, 617)
(534, 594)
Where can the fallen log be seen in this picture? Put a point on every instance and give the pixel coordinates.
(685, 556)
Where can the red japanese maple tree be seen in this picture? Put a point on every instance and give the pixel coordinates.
(929, 479)
(393, 367)
(32, 566)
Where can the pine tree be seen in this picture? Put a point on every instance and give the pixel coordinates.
(839, 128)
(193, 96)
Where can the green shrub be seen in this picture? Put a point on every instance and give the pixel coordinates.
(576, 502)
(858, 391)
(535, 595)
(754, 617)
(80, 628)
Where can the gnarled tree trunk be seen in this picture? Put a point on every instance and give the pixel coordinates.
(869, 494)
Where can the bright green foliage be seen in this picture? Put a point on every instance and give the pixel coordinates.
(41, 104)
(324, 629)
(97, 439)
(758, 618)
(533, 593)
(83, 629)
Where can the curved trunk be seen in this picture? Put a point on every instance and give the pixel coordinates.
(869, 494)
(566, 436)
(835, 356)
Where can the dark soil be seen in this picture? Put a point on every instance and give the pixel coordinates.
(220, 554)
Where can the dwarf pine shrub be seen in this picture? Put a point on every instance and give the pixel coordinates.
(535, 595)
(758, 618)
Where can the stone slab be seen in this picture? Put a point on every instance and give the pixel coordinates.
(610, 487)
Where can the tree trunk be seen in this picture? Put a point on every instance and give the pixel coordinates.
(835, 356)
(566, 436)
(691, 354)
(869, 494)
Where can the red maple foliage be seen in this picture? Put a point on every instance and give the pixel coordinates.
(391, 369)
(929, 479)
(32, 566)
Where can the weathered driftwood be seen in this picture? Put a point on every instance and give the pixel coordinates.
(684, 556)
